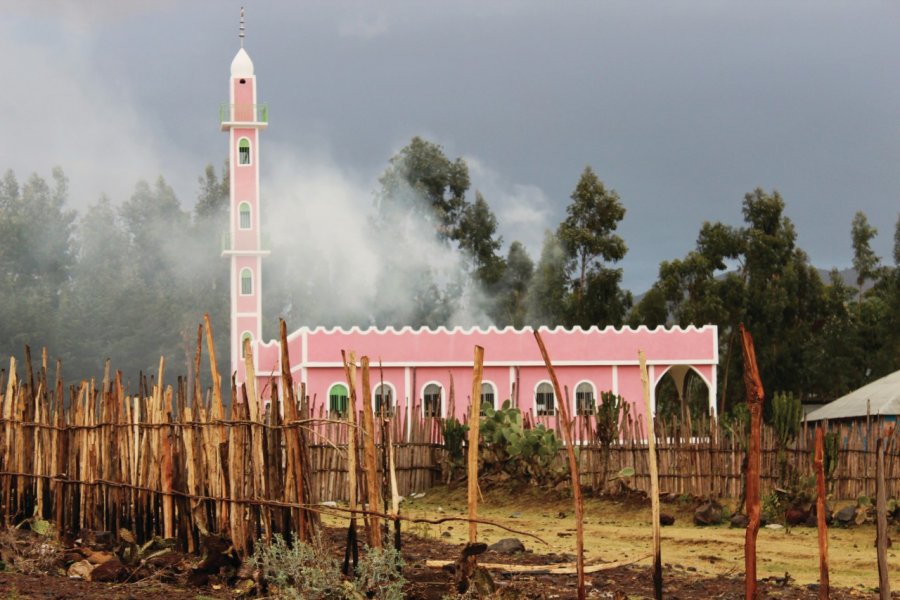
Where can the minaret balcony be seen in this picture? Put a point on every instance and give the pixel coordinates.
(244, 115)
(229, 247)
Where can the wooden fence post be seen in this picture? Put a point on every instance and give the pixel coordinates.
(474, 422)
(884, 582)
(755, 395)
(654, 479)
(371, 463)
(820, 513)
(573, 466)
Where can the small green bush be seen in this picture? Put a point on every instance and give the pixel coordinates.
(379, 574)
(298, 572)
(307, 572)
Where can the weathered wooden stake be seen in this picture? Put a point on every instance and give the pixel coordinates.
(573, 467)
(474, 422)
(755, 395)
(352, 551)
(884, 583)
(371, 463)
(654, 478)
(819, 463)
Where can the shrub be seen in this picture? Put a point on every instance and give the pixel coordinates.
(307, 572)
(298, 572)
(379, 574)
(525, 454)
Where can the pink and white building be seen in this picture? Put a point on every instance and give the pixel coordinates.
(413, 368)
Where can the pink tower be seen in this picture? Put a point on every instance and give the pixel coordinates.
(243, 119)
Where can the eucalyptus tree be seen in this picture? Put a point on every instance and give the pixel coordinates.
(588, 237)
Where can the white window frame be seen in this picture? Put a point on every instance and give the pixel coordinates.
(593, 396)
(493, 387)
(440, 398)
(393, 397)
(249, 152)
(241, 281)
(328, 395)
(249, 214)
(544, 413)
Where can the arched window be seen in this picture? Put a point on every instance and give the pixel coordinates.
(337, 400)
(384, 400)
(244, 212)
(488, 395)
(244, 151)
(431, 400)
(245, 336)
(585, 401)
(246, 282)
(544, 399)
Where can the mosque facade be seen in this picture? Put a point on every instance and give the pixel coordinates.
(413, 370)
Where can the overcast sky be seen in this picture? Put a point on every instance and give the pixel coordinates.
(682, 106)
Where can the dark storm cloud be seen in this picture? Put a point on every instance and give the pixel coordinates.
(681, 107)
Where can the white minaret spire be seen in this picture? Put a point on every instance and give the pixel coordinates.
(241, 31)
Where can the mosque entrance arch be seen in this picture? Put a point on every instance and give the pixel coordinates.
(682, 394)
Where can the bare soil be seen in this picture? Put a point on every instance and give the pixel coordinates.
(700, 562)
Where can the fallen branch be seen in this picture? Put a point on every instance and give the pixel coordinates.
(326, 508)
(557, 569)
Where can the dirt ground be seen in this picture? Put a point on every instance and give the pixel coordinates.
(699, 562)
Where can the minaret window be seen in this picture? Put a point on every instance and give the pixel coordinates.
(337, 400)
(246, 282)
(245, 336)
(244, 215)
(244, 152)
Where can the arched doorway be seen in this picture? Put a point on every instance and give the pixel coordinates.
(682, 395)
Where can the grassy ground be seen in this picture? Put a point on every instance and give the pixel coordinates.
(618, 531)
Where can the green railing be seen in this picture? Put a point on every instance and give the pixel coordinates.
(227, 242)
(244, 113)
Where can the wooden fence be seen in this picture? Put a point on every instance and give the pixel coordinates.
(168, 462)
(173, 462)
(709, 460)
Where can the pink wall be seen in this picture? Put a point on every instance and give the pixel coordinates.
(411, 359)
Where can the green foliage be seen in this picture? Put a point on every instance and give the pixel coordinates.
(308, 572)
(865, 261)
(736, 423)
(297, 572)
(611, 412)
(787, 415)
(523, 454)
(588, 239)
(379, 574)
(454, 434)
(546, 300)
(511, 292)
(832, 446)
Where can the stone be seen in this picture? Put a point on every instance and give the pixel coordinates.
(846, 515)
(708, 513)
(80, 570)
(110, 571)
(796, 515)
(666, 519)
(507, 546)
(740, 521)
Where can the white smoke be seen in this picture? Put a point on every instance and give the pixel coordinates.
(318, 223)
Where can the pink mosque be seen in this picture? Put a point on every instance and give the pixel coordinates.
(416, 365)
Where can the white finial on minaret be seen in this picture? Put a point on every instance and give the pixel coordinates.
(241, 33)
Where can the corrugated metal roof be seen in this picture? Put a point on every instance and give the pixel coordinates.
(882, 395)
